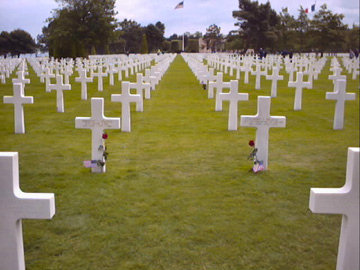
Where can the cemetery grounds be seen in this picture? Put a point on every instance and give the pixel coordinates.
(178, 193)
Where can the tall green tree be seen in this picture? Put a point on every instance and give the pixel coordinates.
(155, 36)
(287, 31)
(258, 24)
(5, 43)
(352, 38)
(329, 30)
(144, 45)
(132, 33)
(213, 37)
(17, 42)
(78, 25)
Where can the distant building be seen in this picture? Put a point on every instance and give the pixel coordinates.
(203, 47)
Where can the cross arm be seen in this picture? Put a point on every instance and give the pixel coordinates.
(278, 121)
(35, 205)
(81, 122)
(328, 200)
(112, 123)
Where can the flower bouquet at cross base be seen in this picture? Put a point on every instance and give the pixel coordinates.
(258, 164)
(99, 163)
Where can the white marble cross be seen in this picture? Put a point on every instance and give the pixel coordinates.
(139, 86)
(146, 86)
(18, 100)
(233, 97)
(275, 77)
(21, 78)
(343, 201)
(290, 70)
(262, 121)
(67, 72)
(97, 123)
(111, 71)
(247, 69)
(258, 73)
(299, 84)
(48, 75)
(59, 87)
(83, 80)
(126, 98)
(336, 75)
(16, 205)
(340, 96)
(148, 78)
(100, 74)
(217, 83)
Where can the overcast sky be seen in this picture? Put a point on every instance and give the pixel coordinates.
(197, 15)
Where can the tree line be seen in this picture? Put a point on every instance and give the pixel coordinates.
(79, 28)
(262, 27)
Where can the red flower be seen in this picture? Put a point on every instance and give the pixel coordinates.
(251, 143)
(104, 136)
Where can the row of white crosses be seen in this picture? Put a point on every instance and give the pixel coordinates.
(343, 201)
(262, 121)
(339, 93)
(98, 123)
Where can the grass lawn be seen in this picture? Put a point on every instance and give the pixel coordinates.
(178, 193)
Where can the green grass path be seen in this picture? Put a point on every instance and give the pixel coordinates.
(178, 193)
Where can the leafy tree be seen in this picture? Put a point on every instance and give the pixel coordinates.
(234, 42)
(161, 27)
(328, 29)
(5, 43)
(352, 38)
(197, 34)
(213, 37)
(192, 45)
(155, 36)
(117, 44)
(287, 31)
(132, 33)
(173, 37)
(144, 45)
(78, 25)
(20, 42)
(175, 46)
(258, 24)
(166, 45)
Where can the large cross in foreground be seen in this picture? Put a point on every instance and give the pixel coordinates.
(18, 100)
(97, 123)
(263, 122)
(16, 205)
(343, 201)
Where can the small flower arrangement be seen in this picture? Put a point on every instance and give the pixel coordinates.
(258, 164)
(99, 163)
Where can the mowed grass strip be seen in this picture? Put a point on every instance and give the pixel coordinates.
(178, 193)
